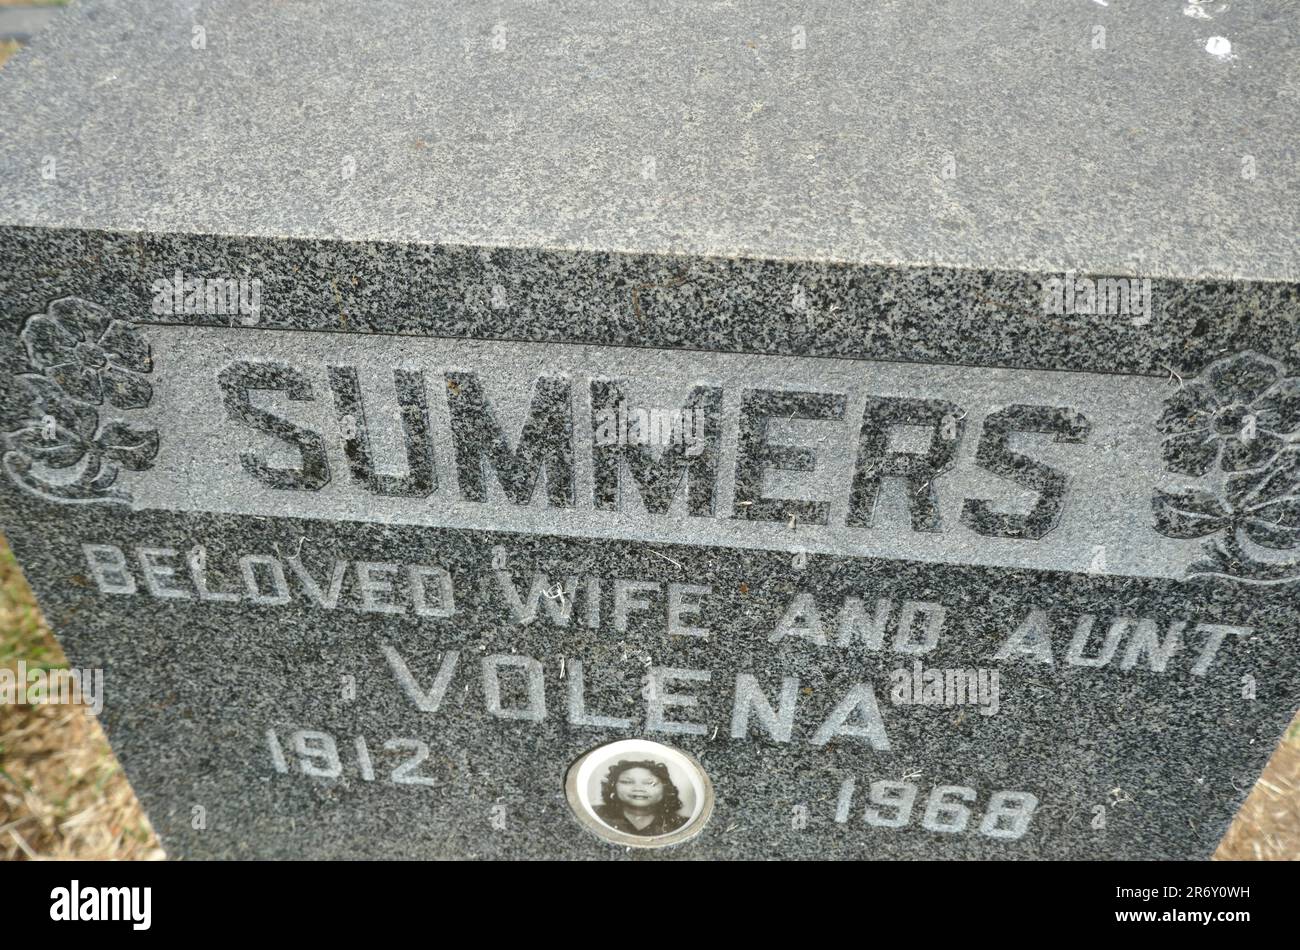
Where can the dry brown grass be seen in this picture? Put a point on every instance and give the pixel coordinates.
(1268, 826)
(7, 49)
(62, 792)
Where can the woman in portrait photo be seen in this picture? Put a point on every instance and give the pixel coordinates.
(639, 798)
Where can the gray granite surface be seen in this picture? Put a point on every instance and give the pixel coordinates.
(1004, 133)
(374, 509)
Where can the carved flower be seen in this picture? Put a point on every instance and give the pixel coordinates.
(1268, 503)
(62, 431)
(1244, 416)
(89, 353)
(1241, 414)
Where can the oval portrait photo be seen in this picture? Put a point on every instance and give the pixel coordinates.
(640, 793)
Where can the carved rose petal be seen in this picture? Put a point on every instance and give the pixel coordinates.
(1243, 378)
(1189, 409)
(48, 399)
(1279, 480)
(130, 447)
(1254, 493)
(1279, 409)
(1191, 453)
(62, 451)
(126, 347)
(1276, 526)
(78, 382)
(1241, 454)
(48, 342)
(125, 389)
(87, 320)
(1189, 514)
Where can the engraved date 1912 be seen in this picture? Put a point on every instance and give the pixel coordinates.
(317, 755)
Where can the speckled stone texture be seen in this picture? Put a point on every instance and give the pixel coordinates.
(374, 512)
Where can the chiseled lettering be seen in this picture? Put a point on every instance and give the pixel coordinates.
(755, 456)
(779, 722)
(545, 442)
(239, 379)
(532, 711)
(659, 700)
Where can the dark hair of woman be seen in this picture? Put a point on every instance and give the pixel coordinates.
(622, 813)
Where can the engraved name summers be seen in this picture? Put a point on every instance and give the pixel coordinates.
(542, 450)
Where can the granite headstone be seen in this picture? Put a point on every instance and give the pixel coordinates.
(516, 430)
